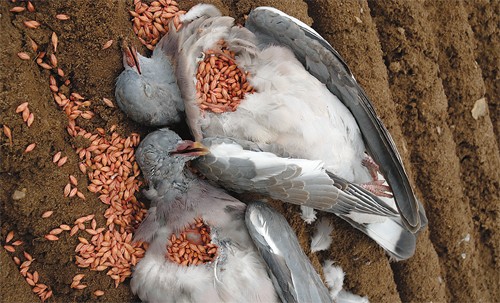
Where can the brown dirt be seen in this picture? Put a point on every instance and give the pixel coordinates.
(423, 63)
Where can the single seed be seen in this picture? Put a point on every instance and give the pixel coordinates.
(31, 7)
(107, 44)
(9, 237)
(62, 161)
(9, 248)
(108, 102)
(73, 180)
(47, 214)
(98, 293)
(72, 193)
(51, 237)
(31, 24)
(56, 157)
(34, 46)
(54, 40)
(26, 114)
(17, 9)
(23, 56)
(30, 120)
(27, 256)
(8, 133)
(30, 147)
(67, 190)
(62, 17)
(65, 227)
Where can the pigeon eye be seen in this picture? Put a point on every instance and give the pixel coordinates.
(200, 57)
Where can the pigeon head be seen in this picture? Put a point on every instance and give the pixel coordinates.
(147, 89)
(162, 156)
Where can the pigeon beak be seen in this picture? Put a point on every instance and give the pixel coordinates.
(130, 57)
(190, 148)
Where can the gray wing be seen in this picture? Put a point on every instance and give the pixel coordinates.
(240, 166)
(293, 274)
(304, 182)
(325, 63)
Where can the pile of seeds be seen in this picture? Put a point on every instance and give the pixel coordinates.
(107, 159)
(221, 84)
(109, 163)
(193, 246)
(151, 21)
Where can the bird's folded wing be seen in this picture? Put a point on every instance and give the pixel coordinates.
(297, 181)
(293, 274)
(273, 27)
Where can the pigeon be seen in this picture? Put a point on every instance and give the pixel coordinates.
(166, 104)
(307, 104)
(200, 238)
(245, 167)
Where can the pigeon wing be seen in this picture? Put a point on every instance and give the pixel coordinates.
(293, 274)
(272, 26)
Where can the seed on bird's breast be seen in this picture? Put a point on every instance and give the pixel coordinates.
(192, 246)
(221, 84)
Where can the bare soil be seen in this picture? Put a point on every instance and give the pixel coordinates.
(424, 64)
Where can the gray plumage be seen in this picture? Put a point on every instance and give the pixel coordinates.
(238, 274)
(245, 167)
(278, 245)
(308, 104)
(326, 64)
(139, 83)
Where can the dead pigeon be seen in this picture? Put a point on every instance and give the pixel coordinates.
(305, 100)
(199, 247)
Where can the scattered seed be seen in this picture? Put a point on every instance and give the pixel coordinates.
(53, 60)
(22, 107)
(54, 41)
(31, 7)
(23, 56)
(17, 243)
(73, 180)
(31, 24)
(17, 9)
(67, 190)
(78, 277)
(9, 236)
(30, 147)
(17, 261)
(26, 114)
(47, 214)
(62, 161)
(56, 157)
(98, 293)
(8, 133)
(27, 256)
(107, 44)
(30, 119)
(34, 46)
(45, 66)
(80, 195)
(65, 227)
(62, 17)
(56, 231)
(108, 102)
(9, 248)
(72, 193)
(74, 230)
(51, 237)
